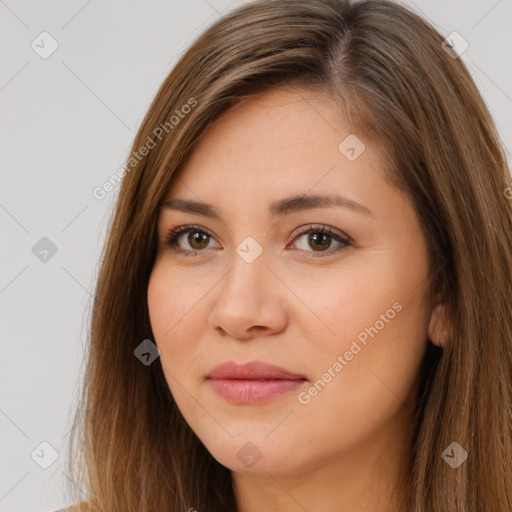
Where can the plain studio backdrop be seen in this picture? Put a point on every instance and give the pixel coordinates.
(75, 82)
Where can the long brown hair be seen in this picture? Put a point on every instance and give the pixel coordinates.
(391, 79)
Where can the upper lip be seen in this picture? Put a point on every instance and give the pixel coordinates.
(252, 370)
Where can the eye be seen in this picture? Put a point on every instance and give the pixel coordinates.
(197, 238)
(320, 237)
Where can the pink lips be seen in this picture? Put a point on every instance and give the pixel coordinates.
(252, 382)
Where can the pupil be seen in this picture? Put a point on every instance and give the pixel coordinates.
(314, 237)
(198, 237)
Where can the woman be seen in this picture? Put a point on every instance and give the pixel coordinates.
(305, 299)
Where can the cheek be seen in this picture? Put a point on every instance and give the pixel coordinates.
(365, 374)
(368, 331)
(171, 312)
(339, 305)
(170, 301)
(173, 309)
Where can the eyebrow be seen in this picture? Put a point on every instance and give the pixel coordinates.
(276, 208)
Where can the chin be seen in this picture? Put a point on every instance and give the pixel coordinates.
(243, 455)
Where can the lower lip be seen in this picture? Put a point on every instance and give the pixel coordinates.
(253, 391)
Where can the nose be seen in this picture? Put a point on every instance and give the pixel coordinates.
(250, 301)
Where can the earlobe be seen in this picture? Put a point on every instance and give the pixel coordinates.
(439, 328)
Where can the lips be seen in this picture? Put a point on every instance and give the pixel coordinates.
(253, 383)
(255, 370)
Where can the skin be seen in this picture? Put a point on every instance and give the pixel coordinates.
(297, 305)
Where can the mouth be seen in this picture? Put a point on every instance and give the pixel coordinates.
(253, 382)
(252, 391)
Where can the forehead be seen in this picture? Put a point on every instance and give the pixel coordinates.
(280, 141)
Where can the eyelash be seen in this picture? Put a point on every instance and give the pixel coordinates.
(171, 239)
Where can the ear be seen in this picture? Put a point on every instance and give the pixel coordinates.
(439, 328)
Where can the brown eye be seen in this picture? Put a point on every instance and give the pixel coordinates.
(320, 239)
(197, 240)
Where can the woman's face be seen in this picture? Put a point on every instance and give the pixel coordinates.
(331, 292)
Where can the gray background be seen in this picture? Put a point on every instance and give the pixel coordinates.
(67, 123)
